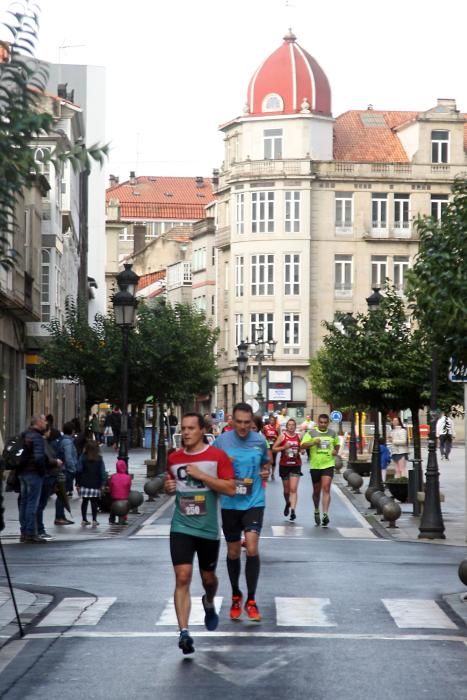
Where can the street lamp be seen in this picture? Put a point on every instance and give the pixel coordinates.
(262, 350)
(242, 362)
(124, 303)
(373, 302)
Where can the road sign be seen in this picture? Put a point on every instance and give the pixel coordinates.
(251, 388)
(336, 416)
(457, 371)
(254, 404)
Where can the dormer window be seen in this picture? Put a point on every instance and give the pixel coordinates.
(440, 146)
(273, 103)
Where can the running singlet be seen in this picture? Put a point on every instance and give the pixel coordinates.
(321, 456)
(270, 432)
(290, 457)
(248, 456)
(196, 504)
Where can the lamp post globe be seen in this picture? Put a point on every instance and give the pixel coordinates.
(127, 279)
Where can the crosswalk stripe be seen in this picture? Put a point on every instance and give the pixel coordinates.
(287, 530)
(168, 616)
(357, 532)
(77, 611)
(410, 613)
(303, 612)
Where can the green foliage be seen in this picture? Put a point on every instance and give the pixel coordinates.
(170, 354)
(23, 120)
(437, 287)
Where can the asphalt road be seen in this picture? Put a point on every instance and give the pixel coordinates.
(345, 614)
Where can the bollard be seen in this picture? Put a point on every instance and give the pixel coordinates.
(355, 481)
(135, 499)
(152, 487)
(120, 507)
(369, 492)
(392, 511)
(375, 496)
(347, 473)
(381, 502)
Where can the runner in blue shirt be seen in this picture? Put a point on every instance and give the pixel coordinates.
(244, 511)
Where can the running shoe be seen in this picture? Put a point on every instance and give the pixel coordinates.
(325, 521)
(185, 642)
(287, 509)
(236, 607)
(317, 518)
(292, 515)
(252, 611)
(211, 618)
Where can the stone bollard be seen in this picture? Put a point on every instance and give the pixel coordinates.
(135, 499)
(381, 502)
(355, 481)
(375, 496)
(392, 511)
(369, 492)
(347, 473)
(153, 486)
(119, 507)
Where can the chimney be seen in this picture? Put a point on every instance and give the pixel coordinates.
(61, 90)
(199, 181)
(215, 176)
(139, 237)
(132, 178)
(113, 180)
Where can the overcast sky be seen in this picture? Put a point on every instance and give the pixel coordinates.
(178, 69)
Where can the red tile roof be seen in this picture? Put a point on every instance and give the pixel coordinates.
(150, 278)
(356, 140)
(177, 198)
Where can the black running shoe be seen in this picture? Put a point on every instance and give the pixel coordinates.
(211, 618)
(317, 518)
(325, 521)
(185, 642)
(292, 515)
(287, 509)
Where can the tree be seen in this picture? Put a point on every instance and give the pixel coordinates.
(23, 120)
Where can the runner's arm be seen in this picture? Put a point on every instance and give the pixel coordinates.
(279, 444)
(220, 485)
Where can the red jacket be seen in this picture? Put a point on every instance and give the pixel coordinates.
(120, 483)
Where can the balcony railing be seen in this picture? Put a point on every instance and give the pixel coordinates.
(296, 167)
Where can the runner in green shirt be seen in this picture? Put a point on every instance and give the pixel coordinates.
(324, 446)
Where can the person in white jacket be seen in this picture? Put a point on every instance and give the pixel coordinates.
(400, 447)
(445, 434)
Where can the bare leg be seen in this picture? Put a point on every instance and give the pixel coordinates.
(326, 489)
(316, 493)
(182, 598)
(293, 485)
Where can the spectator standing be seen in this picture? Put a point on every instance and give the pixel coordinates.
(116, 425)
(119, 488)
(68, 454)
(90, 478)
(95, 427)
(31, 476)
(445, 434)
(54, 466)
(400, 447)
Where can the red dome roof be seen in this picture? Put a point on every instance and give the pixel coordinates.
(286, 79)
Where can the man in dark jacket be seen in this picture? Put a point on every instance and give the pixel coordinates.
(31, 476)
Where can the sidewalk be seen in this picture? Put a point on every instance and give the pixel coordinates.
(452, 485)
(68, 533)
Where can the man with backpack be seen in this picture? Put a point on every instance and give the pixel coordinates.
(31, 476)
(445, 434)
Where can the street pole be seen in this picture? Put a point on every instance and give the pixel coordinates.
(259, 395)
(123, 445)
(243, 385)
(375, 475)
(353, 440)
(465, 455)
(431, 524)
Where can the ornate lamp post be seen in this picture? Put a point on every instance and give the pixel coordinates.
(373, 302)
(124, 303)
(242, 362)
(262, 350)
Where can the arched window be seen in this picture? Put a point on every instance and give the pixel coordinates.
(273, 103)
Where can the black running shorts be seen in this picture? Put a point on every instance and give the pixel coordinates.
(286, 472)
(234, 521)
(184, 547)
(316, 474)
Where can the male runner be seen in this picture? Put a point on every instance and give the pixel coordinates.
(324, 447)
(196, 473)
(244, 511)
(271, 432)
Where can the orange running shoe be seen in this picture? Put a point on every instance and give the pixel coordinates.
(236, 607)
(252, 611)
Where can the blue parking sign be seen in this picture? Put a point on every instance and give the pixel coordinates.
(336, 416)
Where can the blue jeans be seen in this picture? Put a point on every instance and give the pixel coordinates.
(31, 488)
(48, 487)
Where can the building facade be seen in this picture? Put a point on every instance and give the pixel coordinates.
(313, 212)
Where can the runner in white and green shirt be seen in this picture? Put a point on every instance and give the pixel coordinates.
(324, 446)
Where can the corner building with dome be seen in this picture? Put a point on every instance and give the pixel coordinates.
(314, 211)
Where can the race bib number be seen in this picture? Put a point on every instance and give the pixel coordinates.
(324, 444)
(243, 487)
(193, 505)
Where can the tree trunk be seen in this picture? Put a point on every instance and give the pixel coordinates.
(153, 430)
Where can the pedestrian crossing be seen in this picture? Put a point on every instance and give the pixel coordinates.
(162, 531)
(296, 612)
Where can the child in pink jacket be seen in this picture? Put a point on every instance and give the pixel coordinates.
(119, 487)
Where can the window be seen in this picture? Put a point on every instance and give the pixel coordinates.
(273, 103)
(272, 139)
(262, 212)
(440, 146)
(45, 286)
(239, 275)
(379, 270)
(213, 305)
(213, 256)
(401, 266)
(262, 275)
(344, 210)
(292, 212)
(126, 234)
(226, 276)
(239, 329)
(343, 275)
(291, 274)
(240, 212)
(265, 320)
(291, 329)
(439, 203)
(199, 259)
(200, 303)
(379, 211)
(401, 211)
